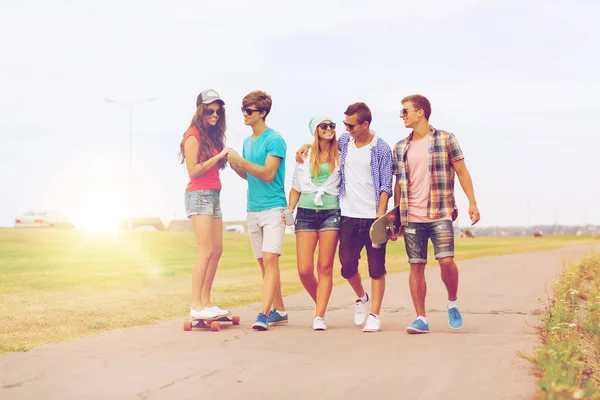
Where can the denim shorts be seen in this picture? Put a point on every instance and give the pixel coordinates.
(308, 220)
(417, 234)
(203, 202)
(354, 235)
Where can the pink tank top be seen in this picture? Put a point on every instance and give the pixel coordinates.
(210, 180)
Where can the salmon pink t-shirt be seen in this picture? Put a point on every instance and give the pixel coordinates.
(210, 180)
(417, 162)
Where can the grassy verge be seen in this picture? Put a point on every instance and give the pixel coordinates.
(60, 285)
(568, 361)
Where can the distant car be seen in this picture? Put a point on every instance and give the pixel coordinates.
(42, 219)
(235, 228)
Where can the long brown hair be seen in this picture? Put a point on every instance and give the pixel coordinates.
(315, 153)
(211, 137)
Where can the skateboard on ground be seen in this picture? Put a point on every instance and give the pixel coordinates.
(213, 323)
(386, 228)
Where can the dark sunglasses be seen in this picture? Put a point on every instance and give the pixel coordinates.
(249, 111)
(211, 111)
(404, 111)
(324, 125)
(350, 126)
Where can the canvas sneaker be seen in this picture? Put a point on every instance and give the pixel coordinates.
(276, 319)
(454, 318)
(362, 311)
(204, 313)
(418, 327)
(219, 311)
(319, 324)
(261, 323)
(373, 324)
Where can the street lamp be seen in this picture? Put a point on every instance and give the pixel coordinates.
(130, 108)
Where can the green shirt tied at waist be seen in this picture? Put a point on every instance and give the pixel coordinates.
(307, 200)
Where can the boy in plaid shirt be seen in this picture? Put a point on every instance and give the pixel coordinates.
(424, 164)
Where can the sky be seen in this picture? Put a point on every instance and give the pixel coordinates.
(516, 82)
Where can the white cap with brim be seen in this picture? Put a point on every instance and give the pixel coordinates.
(207, 97)
(314, 122)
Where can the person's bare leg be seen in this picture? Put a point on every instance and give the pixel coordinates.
(357, 286)
(306, 242)
(271, 284)
(278, 299)
(418, 287)
(328, 241)
(377, 292)
(449, 272)
(217, 251)
(202, 225)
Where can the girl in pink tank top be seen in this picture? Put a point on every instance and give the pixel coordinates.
(204, 153)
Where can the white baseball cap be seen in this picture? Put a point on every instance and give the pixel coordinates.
(207, 97)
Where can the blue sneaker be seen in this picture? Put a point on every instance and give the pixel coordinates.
(261, 323)
(454, 318)
(276, 319)
(418, 327)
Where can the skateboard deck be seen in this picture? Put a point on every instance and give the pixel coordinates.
(213, 323)
(386, 228)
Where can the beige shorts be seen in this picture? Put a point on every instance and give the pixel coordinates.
(266, 230)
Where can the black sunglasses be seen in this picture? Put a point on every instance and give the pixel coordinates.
(324, 125)
(211, 111)
(249, 111)
(351, 126)
(404, 112)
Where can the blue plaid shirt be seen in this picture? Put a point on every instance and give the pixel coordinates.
(381, 166)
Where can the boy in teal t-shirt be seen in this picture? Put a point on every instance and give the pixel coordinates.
(265, 195)
(262, 164)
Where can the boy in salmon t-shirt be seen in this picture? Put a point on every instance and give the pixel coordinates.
(424, 165)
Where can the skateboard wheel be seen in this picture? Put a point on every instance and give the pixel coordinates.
(235, 320)
(392, 217)
(394, 238)
(215, 326)
(209, 321)
(187, 325)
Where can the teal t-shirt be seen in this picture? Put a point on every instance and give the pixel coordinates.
(307, 200)
(262, 195)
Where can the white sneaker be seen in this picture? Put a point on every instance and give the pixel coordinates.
(319, 324)
(204, 313)
(373, 324)
(219, 311)
(362, 311)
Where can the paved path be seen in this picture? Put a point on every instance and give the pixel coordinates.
(498, 298)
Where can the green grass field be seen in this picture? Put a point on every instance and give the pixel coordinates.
(59, 285)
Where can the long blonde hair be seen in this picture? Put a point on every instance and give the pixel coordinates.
(315, 155)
